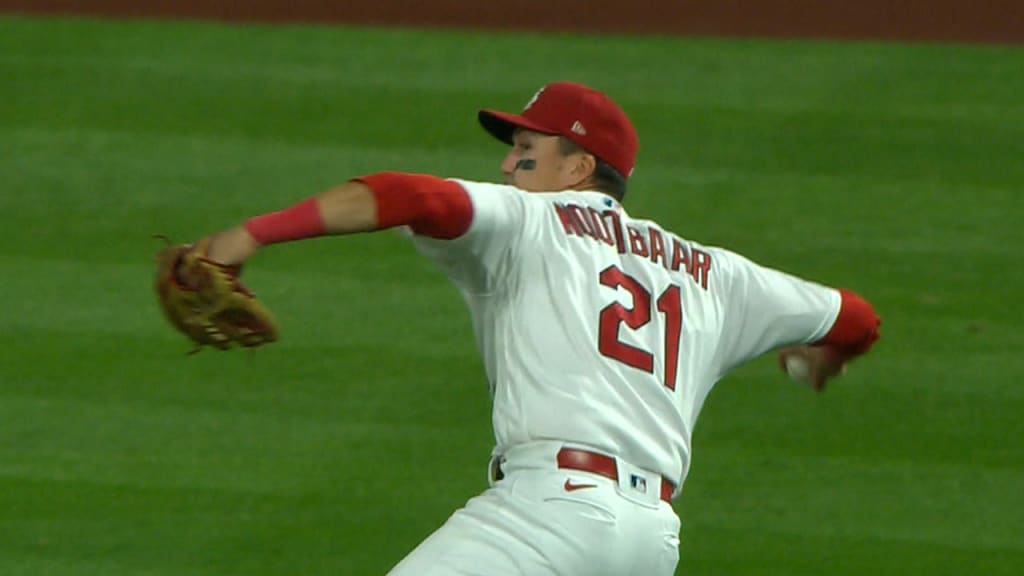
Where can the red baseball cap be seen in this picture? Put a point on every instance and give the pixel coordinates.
(587, 117)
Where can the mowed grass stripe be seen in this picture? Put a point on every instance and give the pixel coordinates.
(913, 493)
(828, 141)
(810, 553)
(65, 527)
(917, 213)
(455, 61)
(216, 446)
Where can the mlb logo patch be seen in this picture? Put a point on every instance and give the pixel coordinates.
(638, 483)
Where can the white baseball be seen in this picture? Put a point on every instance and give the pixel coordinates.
(798, 368)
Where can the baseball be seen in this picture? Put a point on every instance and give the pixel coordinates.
(798, 369)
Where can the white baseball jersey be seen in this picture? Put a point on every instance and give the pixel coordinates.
(602, 330)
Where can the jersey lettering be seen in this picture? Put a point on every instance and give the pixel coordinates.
(614, 224)
(661, 248)
(637, 245)
(657, 247)
(680, 256)
(600, 227)
(701, 268)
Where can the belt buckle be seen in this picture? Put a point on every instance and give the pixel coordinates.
(638, 485)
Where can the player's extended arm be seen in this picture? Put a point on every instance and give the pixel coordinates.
(852, 334)
(431, 206)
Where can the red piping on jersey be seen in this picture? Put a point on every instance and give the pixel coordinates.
(855, 329)
(431, 206)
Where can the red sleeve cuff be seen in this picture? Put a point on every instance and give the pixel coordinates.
(855, 329)
(431, 206)
(302, 220)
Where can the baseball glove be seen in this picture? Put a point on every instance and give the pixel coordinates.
(206, 301)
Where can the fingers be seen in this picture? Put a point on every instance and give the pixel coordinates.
(818, 378)
(785, 353)
(823, 364)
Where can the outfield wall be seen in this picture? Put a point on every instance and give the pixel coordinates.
(998, 21)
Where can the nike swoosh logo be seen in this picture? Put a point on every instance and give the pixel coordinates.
(570, 487)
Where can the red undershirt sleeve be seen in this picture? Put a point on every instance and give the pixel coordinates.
(855, 329)
(300, 221)
(431, 206)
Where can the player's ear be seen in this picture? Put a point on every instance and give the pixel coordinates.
(584, 166)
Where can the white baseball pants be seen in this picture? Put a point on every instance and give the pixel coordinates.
(540, 520)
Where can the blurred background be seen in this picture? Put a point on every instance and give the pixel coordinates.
(875, 146)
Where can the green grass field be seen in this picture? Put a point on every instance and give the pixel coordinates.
(894, 170)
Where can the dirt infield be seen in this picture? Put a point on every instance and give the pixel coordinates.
(995, 21)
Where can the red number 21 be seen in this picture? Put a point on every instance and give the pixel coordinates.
(614, 314)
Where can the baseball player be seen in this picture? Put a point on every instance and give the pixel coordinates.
(601, 335)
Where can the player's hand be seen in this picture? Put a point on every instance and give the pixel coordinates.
(232, 247)
(812, 365)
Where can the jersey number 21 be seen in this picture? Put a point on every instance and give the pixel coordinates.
(668, 303)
